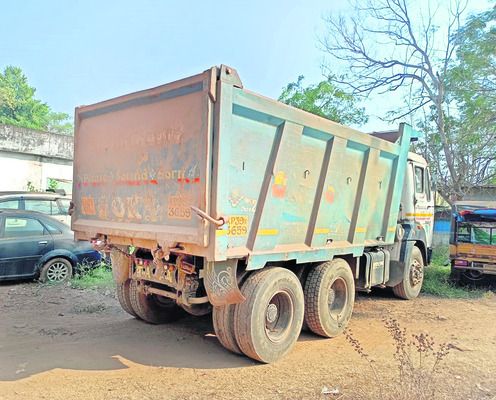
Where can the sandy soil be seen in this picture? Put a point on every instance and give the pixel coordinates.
(57, 342)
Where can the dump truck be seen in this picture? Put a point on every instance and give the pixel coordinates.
(473, 241)
(212, 198)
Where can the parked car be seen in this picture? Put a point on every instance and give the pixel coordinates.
(34, 245)
(50, 203)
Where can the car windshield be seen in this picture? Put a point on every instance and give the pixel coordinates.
(65, 203)
(477, 234)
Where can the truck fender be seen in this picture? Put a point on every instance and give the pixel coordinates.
(398, 268)
(220, 283)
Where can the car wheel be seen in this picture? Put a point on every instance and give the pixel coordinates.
(56, 270)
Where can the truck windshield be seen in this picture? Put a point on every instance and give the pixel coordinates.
(476, 234)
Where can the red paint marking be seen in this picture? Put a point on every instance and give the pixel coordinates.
(154, 182)
(85, 184)
(79, 184)
(185, 180)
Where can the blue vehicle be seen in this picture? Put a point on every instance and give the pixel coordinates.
(34, 245)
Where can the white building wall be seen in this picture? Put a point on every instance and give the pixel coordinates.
(33, 156)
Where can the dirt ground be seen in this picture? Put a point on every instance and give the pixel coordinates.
(57, 342)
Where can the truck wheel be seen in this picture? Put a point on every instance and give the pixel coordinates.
(124, 297)
(472, 278)
(152, 308)
(197, 310)
(223, 320)
(455, 275)
(329, 297)
(268, 323)
(409, 288)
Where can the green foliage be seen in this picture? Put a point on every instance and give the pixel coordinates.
(60, 123)
(52, 184)
(325, 100)
(31, 187)
(87, 276)
(472, 80)
(437, 279)
(470, 112)
(19, 107)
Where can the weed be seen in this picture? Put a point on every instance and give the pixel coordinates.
(88, 275)
(437, 279)
(417, 360)
(31, 187)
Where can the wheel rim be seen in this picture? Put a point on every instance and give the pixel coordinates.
(57, 272)
(279, 316)
(337, 299)
(416, 272)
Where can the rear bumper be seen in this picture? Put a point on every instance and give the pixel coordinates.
(485, 268)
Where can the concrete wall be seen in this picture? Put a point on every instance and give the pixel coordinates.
(33, 156)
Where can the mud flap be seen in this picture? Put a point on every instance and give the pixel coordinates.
(121, 265)
(220, 282)
(399, 268)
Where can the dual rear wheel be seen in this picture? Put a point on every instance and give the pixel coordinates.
(267, 324)
(150, 308)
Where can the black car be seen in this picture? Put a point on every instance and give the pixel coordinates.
(34, 245)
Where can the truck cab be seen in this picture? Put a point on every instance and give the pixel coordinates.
(417, 200)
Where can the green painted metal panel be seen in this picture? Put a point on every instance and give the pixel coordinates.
(296, 186)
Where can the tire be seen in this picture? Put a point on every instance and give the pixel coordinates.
(268, 323)
(56, 270)
(329, 297)
(409, 288)
(152, 308)
(473, 278)
(455, 275)
(198, 310)
(124, 297)
(223, 320)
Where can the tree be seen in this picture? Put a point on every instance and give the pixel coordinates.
(394, 45)
(325, 100)
(472, 87)
(19, 107)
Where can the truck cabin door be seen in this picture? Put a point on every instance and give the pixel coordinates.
(424, 200)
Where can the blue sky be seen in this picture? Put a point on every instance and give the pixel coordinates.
(81, 52)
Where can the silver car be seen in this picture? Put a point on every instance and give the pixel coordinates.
(50, 203)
